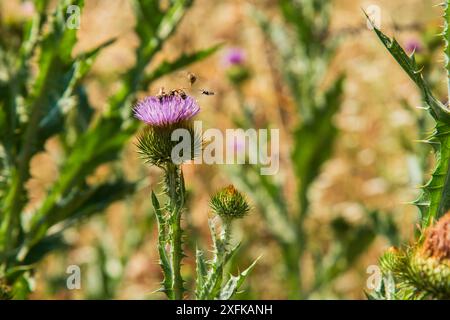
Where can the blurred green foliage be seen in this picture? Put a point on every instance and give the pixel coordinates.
(53, 102)
(306, 50)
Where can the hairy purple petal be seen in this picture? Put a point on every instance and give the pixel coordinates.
(166, 110)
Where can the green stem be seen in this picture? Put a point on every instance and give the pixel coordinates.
(162, 242)
(292, 256)
(226, 236)
(175, 189)
(221, 252)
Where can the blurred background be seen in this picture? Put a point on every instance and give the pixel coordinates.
(363, 187)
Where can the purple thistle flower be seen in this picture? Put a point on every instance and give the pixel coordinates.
(413, 45)
(235, 56)
(165, 110)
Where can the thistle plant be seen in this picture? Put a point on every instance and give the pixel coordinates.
(234, 61)
(43, 95)
(228, 204)
(164, 116)
(425, 48)
(421, 270)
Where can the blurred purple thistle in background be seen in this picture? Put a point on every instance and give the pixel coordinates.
(27, 8)
(234, 56)
(413, 45)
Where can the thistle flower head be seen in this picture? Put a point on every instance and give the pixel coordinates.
(164, 114)
(235, 56)
(437, 239)
(234, 61)
(229, 204)
(166, 109)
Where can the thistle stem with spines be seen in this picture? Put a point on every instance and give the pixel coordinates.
(221, 251)
(175, 190)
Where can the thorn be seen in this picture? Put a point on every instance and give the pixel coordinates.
(426, 141)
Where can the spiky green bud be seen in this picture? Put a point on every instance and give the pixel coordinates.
(424, 269)
(431, 262)
(393, 260)
(157, 147)
(229, 204)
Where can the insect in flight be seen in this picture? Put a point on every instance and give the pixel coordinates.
(207, 92)
(191, 77)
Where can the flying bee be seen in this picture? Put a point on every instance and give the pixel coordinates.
(192, 78)
(207, 92)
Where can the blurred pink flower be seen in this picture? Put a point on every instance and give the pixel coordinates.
(234, 56)
(27, 8)
(413, 45)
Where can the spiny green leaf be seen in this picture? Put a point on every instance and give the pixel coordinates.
(201, 272)
(213, 282)
(87, 154)
(162, 242)
(437, 109)
(435, 198)
(53, 122)
(79, 204)
(235, 282)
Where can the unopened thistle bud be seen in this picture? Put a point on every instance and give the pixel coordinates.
(163, 115)
(430, 264)
(229, 204)
(423, 269)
